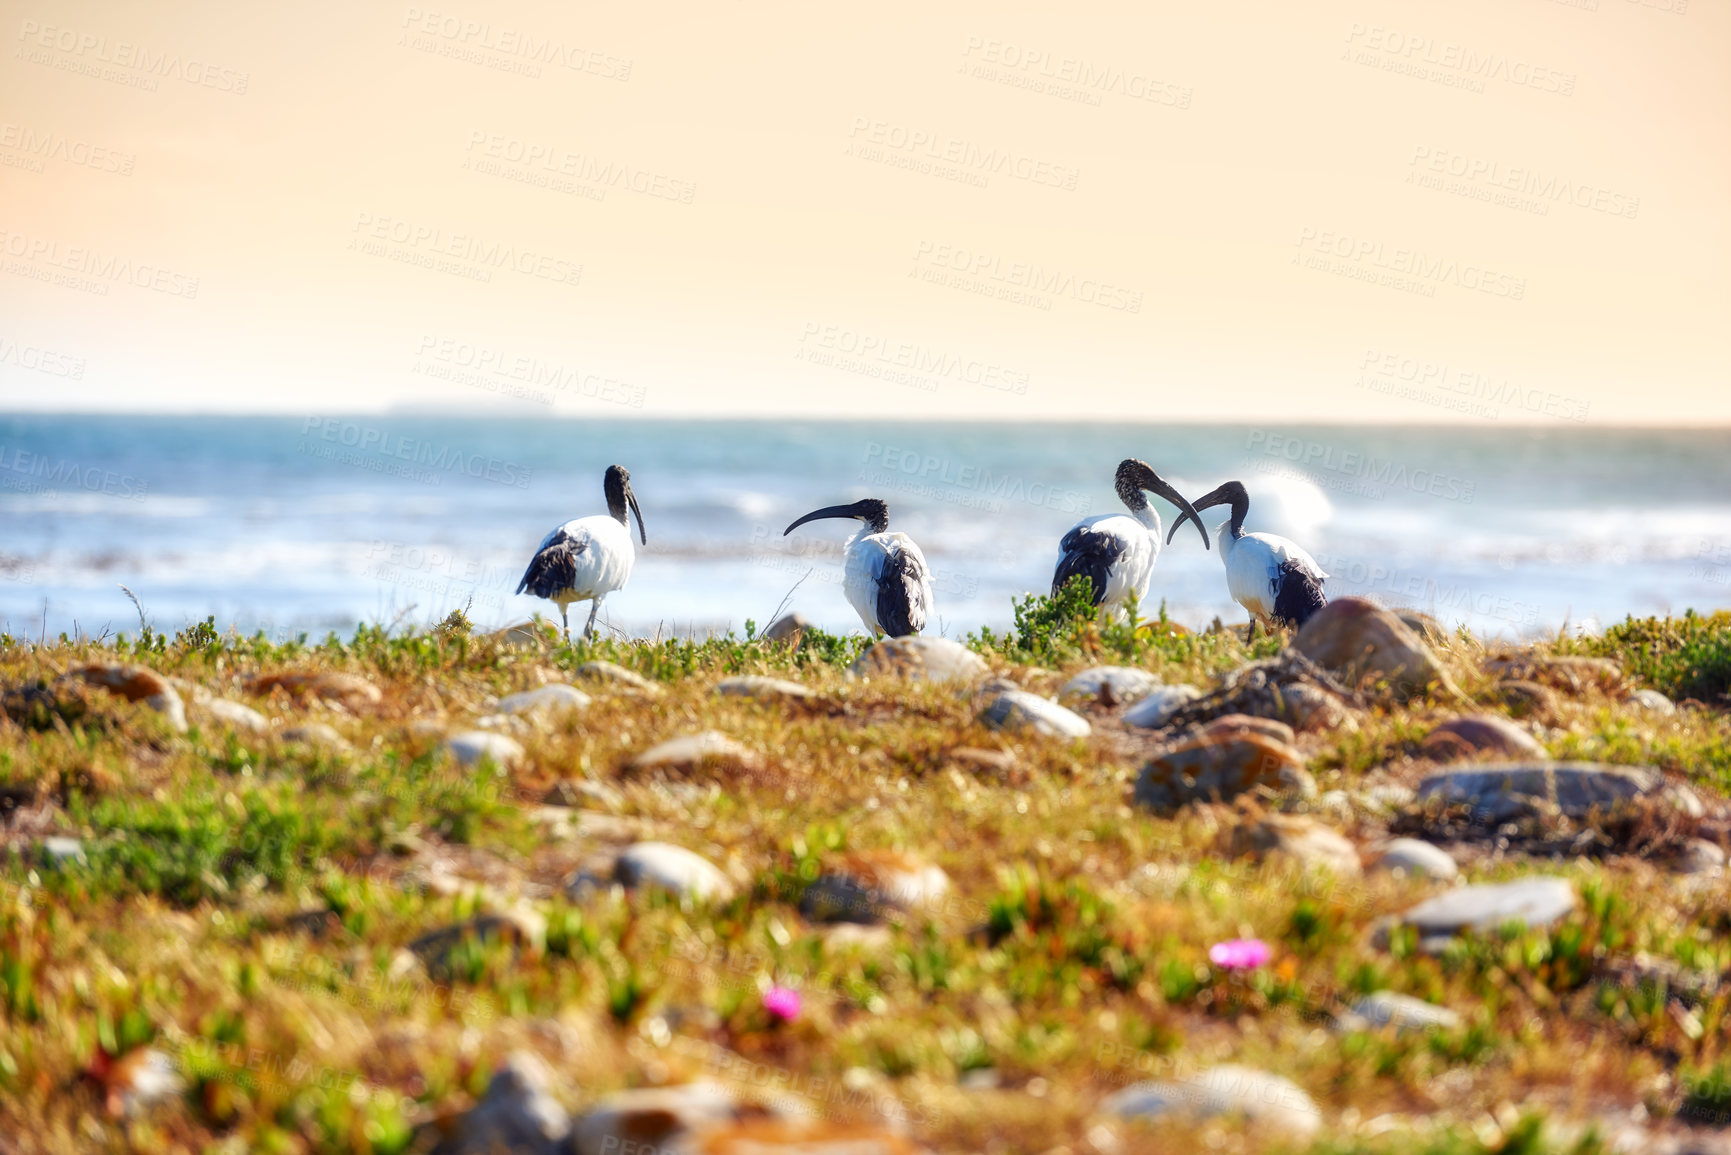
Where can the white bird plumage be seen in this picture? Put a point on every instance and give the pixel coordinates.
(589, 557)
(1117, 551)
(885, 576)
(1273, 578)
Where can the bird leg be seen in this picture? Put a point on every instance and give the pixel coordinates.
(594, 608)
(1250, 632)
(566, 621)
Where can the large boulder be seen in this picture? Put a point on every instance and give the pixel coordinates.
(871, 885)
(1157, 708)
(1227, 1091)
(346, 690)
(763, 689)
(1502, 791)
(1364, 645)
(672, 868)
(1535, 902)
(1109, 685)
(1020, 710)
(693, 752)
(474, 747)
(139, 684)
(1303, 842)
(517, 1114)
(1220, 767)
(1412, 857)
(924, 659)
(1476, 735)
(551, 699)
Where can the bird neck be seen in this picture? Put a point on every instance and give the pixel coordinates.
(1240, 507)
(1146, 517)
(616, 501)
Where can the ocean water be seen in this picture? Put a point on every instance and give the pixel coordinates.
(308, 525)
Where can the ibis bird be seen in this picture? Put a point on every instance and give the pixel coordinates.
(588, 558)
(887, 580)
(1268, 575)
(1115, 552)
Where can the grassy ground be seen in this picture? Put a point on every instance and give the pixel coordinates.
(243, 905)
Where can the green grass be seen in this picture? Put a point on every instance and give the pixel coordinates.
(1074, 949)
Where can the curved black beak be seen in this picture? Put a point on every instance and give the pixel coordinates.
(1226, 493)
(1154, 484)
(820, 514)
(631, 500)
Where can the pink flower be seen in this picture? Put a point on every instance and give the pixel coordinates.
(1240, 954)
(781, 1003)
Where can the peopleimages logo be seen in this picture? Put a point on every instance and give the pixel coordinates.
(90, 49)
(1360, 467)
(382, 451)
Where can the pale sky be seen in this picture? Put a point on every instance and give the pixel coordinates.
(1346, 211)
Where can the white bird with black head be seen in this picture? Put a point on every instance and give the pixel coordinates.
(886, 580)
(1116, 552)
(590, 557)
(1271, 577)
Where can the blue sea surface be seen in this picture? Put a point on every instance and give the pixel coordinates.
(308, 525)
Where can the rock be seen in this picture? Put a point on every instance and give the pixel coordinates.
(1473, 734)
(1362, 643)
(346, 690)
(673, 868)
(1652, 701)
(1301, 841)
(658, 1120)
(873, 884)
(1698, 856)
(1425, 626)
(789, 628)
(1288, 687)
(1157, 708)
(616, 675)
(1230, 725)
(976, 759)
(235, 715)
(548, 700)
(137, 1080)
(517, 1115)
(792, 1136)
(316, 734)
(1412, 856)
(692, 752)
(1526, 699)
(764, 689)
(1537, 902)
(1311, 708)
(1218, 769)
(1403, 1012)
(1018, 709)
(1572, 674)
(921, 659)
(869, 937)
(475, 747)
(1257, 1097)
(57, 850)
(1110, 685)
(1497, 792)
(509, 723)
(139, 684)
(535, 635)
